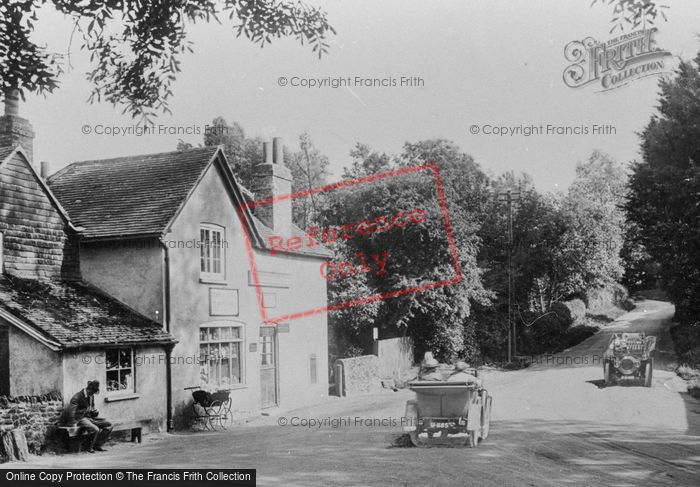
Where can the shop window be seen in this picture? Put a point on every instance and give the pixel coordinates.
(220, 355)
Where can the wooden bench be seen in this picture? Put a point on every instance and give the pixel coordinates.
(75, 435)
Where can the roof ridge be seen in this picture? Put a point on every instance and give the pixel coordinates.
(137, 156)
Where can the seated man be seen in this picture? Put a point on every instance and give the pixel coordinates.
(81, 412)
(429, 369)
(460, 374)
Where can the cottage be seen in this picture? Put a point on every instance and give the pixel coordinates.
(166, 234)
(57, 331)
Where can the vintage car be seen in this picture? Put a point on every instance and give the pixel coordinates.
(629, 358)
(447, 413)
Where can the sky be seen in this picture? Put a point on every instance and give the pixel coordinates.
(495, 63)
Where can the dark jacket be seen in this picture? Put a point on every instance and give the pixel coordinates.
(78, 407)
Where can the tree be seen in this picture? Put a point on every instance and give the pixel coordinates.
(242, 153)
(231, 137)
(664, 189)
(135, 45)
(594, 209)
(538, 278)
(437, 318)
(309, 169)
(366, 162)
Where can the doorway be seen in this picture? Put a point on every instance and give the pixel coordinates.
(269, 389)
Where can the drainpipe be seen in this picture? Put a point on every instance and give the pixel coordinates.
(168, 350)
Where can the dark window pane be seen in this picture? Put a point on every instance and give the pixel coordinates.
(112, 358)
(113, 380)
(125, 357)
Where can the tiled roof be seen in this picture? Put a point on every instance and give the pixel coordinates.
(129, 196)
(5, 152)
(74, 314)
(140, 195)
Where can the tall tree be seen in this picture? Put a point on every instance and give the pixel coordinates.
(594, 207)
(366, 162)
(135, 45)
(309, 169)
(437, 318)
(664, 197)
(243, 153)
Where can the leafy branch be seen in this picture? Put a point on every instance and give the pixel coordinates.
(135, 45)
(634, 12)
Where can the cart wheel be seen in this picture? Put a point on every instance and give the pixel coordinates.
(213, 414)
(607, 373)
(648, 372)
(225, 416)
(485, 415)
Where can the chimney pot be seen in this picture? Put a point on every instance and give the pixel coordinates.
(11, 101)
(267, 152)
(15, 130)
(45, 167)
(277, 150)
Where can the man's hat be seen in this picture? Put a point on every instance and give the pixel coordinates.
(430, 363)
(93, 385)
(461, 366)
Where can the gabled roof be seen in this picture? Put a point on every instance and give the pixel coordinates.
(7, 153)
(140, 196)
(65, 315)
(129, 196)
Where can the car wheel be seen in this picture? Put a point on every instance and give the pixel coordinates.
(648, 372)
(607, 374)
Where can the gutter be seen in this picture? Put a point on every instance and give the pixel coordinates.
(166, 321)
(31, 331)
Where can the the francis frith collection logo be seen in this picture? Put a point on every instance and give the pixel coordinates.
(616, 62)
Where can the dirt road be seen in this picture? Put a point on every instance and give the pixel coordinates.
(553, 424)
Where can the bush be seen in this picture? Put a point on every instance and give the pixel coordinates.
(549, 335)
(543, 335)
(686, 341)
(569, 312)
(602, 298)
(577, 334)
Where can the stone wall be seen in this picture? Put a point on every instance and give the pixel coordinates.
(38, 416)
(359, 375)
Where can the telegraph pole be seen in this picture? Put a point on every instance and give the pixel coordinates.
(511, 332)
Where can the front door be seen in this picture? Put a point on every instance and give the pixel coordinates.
(268, 366)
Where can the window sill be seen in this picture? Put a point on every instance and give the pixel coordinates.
(213, 280)
(122, 397)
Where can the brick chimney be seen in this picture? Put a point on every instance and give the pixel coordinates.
(272, 179)
(15, 130)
